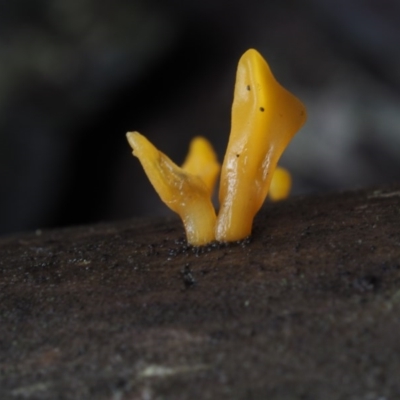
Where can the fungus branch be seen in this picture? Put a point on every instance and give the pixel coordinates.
(182, 191)
(265, 117)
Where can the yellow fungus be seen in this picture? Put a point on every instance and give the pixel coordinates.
(202, 161)
(281, 184)
(265, 117)
(182, 191)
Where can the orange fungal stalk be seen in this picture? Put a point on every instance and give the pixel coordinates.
(265, 117)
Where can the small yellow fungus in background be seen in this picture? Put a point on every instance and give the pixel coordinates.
(202, 161)
(281, 184)
(181, 190)
(265, 117)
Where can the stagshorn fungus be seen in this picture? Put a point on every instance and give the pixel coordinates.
(265, 117)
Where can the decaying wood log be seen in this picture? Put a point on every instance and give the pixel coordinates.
(308, 308)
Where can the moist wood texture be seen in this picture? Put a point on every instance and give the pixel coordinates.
(309, 308)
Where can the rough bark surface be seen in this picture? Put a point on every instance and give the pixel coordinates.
(308, 308)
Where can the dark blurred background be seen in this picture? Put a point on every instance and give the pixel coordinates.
(76, 75)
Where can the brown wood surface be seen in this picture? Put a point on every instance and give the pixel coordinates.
(308, 308)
